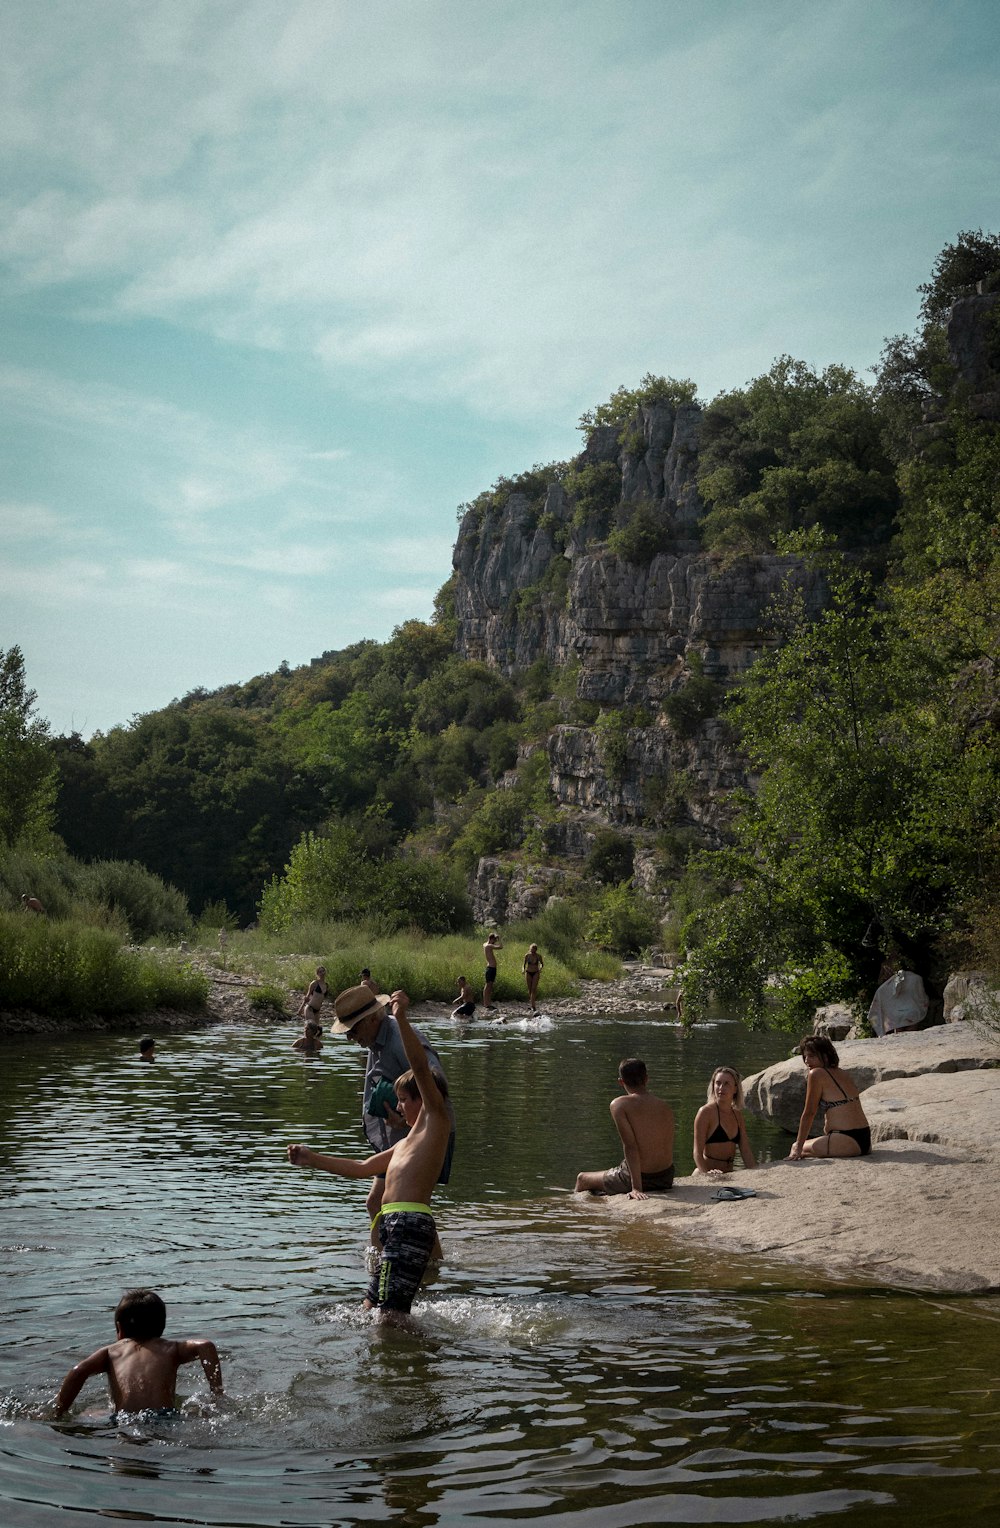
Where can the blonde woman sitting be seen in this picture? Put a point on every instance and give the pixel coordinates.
(719, 1127)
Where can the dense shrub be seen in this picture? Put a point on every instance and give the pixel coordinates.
(58, 966)
(695, 702)
(115, 894)
(611, 859)
(646, 533)
(624, 921)
(147, 904)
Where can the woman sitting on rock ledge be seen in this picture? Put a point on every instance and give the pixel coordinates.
(831, 1091)
(719, 1128)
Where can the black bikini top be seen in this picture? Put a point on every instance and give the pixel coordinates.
(719, 1136)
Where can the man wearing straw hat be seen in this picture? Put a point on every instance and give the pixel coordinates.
(367, 1018)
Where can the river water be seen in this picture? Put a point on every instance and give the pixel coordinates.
(567, 1369)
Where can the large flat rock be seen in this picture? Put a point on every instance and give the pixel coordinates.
(779, 1091)
(946, 1108)
(912, 1215)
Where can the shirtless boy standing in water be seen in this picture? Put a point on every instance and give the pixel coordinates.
(646, 1127)
(142, 1365)
(405, 1224)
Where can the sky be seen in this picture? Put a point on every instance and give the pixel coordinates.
(285, 282)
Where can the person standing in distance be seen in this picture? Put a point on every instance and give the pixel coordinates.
(490, 974)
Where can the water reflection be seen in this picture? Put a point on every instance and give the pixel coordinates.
(567, 1369)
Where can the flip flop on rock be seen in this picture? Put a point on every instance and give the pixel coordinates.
(735, 1193)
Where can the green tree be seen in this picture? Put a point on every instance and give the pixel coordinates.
(27, 768)
(621, 407)
(872, 809)
(794, 449)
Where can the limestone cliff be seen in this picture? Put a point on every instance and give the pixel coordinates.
(642, 623)
(538, 580)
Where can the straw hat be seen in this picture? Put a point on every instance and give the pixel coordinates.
(355, 1004)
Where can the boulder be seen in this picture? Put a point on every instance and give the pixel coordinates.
(780, 1090)
(969, 995)
(835, 1020)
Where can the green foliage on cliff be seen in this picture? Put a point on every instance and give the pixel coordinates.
(646, 533)
(874, 813)
(794, 449)
(621, 407)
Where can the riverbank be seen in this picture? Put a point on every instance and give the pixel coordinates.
(640, 989)
(921, 1212)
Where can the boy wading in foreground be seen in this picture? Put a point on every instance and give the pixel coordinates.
(142, 1365)
(404, 1226)
(645, 1125)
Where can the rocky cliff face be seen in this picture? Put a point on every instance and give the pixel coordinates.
(542, 579)
(539, 581)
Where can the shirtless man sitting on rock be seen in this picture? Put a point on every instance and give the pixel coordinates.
(646, 1127)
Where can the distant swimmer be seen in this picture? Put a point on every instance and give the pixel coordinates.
(310, 1041)
(465, 1005)
(142, 1365)
(645, 1125)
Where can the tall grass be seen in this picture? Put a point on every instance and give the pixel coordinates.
(426, 967)
(118, 895)
(59, 965)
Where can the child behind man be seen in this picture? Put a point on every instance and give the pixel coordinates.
(142, 1365)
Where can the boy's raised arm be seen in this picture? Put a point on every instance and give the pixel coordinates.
(431, 1094)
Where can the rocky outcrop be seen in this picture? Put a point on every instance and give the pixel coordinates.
(973, 333)
(509, 893)
(780, 1090)
(536, 580)
(970, 995)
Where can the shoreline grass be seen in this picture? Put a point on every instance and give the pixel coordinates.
(426, 966)
(54, 965)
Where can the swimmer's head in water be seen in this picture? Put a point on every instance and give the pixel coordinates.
(140, 1313)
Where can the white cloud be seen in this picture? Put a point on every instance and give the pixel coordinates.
(439, 201)
(37, 522)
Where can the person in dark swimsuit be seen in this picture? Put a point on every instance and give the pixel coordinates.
(465, 1006)
(830, 1091)
(719, 1127)
(490, 974)
(532, 968)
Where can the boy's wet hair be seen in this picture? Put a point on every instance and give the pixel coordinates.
(146, 1043)
(408, 1083)
(140, 1313)
(313, 1027)
(633, 1072)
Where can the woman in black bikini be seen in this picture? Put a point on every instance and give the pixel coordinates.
(719, 1127)
(831, 1091)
